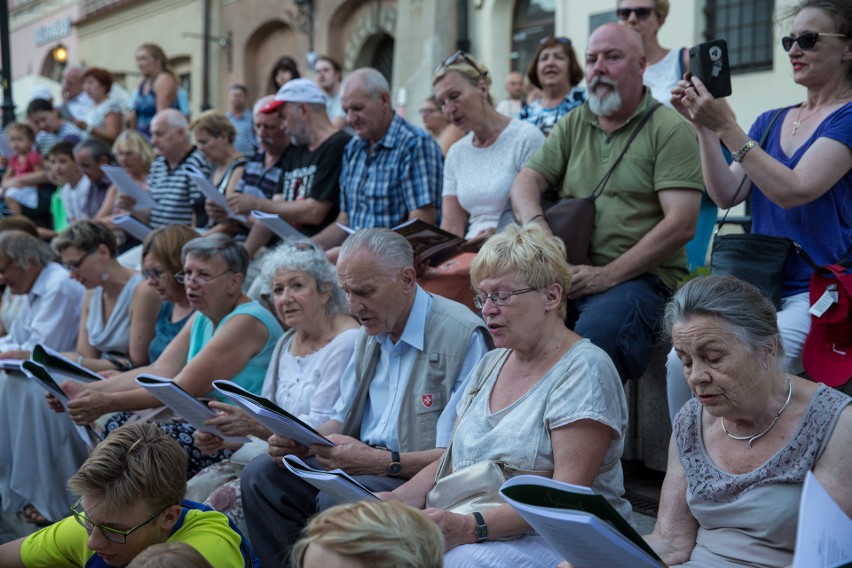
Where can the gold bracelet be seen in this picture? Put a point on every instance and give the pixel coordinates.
(740, 154)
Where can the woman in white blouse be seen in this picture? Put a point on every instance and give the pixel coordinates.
(303, 376)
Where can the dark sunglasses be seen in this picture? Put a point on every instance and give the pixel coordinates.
(806, 41)
(561, 39)
(641, 13)
(455, 58)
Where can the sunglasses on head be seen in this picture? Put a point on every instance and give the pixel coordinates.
(806, 41)
(561, 39)
(455, 58)
(641, 13)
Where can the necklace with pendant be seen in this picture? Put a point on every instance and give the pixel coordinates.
(798, 122)
(751, 439)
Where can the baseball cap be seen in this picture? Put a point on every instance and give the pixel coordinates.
(827, 353)
(296, 91)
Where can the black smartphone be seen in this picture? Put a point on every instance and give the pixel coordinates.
(709, 62)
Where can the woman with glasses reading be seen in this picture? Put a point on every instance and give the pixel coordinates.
(229, 337)
(800, 180)
(303, 377)
(554, 70)
(545, 401)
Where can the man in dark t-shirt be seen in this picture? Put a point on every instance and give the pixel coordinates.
(309, 193)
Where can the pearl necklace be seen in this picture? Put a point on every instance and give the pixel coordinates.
(751, 439)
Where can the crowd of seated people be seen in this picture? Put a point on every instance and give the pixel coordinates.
(505, 354)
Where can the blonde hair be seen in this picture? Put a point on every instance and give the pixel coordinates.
(661, 7)
(468, 67)
(215, 123)
(528, 251)
(380, 534)
(137, 462)
(170, 555)
(131, 140)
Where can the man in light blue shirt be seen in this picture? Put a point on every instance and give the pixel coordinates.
(398, 394)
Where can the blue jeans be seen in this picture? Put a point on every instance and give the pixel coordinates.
(622, 321)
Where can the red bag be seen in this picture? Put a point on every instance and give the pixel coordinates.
(827, 354)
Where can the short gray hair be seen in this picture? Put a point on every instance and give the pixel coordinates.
(391, 248)
(25, 250)
(174, 119)
(310, 259)
(370, 79)
(749, 313)
(205, 248)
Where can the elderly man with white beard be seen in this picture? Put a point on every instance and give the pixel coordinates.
(646, 210)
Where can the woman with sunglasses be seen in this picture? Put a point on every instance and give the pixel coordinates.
(665, 67)
(229, 337)
(554, 70)
(119, 312)
(481, 167)
(799, 182)
(303, 377)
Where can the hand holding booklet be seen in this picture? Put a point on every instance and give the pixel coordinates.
(273, 417)
(61, 367)
(209, 192)
(335, 482)
(278, 225)
(40, 375)
(184, 404)
(578, 524)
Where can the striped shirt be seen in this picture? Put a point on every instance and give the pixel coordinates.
(174, 190)
(68, 132)
(260, 181)
(404, 171)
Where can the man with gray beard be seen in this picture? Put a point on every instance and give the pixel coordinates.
(646, 212)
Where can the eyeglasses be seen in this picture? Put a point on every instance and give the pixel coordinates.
(111, 534)
(75, 265)
(806, 41)
(182, 278)
(455, 58)
(561, 39)
(641, 13)
(499, 298)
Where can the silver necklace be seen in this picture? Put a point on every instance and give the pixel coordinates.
(751, 439)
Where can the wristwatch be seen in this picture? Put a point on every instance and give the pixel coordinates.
(481, 527)
(394, 467)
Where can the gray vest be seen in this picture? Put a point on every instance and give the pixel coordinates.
(450, 327)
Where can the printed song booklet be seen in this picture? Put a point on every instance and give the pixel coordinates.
(578, 524)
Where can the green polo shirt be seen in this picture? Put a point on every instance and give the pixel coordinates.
(664, 155)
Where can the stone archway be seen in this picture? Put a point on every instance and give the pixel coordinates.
(371, 42)
(264, 46)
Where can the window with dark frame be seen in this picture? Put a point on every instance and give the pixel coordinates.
(532, 21)
(747, 25)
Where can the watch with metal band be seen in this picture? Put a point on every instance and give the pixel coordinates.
(394, 467)
(481, 527)
(740, 154)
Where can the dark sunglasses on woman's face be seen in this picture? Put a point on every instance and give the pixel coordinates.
(806, 41)
(641, 13)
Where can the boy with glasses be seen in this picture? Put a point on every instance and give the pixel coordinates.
(132, 489)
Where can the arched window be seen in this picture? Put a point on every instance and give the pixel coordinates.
(532, 20)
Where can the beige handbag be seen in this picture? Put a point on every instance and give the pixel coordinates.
(476, 487)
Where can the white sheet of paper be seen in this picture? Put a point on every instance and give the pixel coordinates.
(125, 184)
(26, 196)
(336, 482)
(349, 230)
(206, 188)
(278, 225)
(824, 537)
(133, 226)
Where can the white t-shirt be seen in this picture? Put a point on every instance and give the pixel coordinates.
(481, 177)
(74, 199)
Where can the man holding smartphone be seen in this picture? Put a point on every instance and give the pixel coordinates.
(646, 211)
